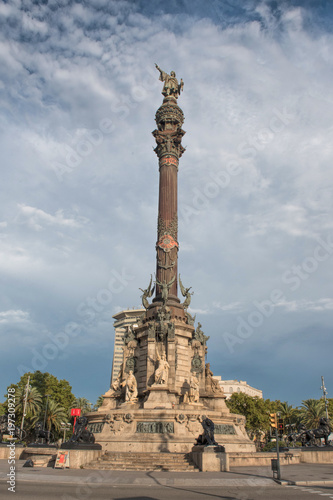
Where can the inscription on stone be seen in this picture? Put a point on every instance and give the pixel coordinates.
(155, 427)
(96, 427)
(224, 429)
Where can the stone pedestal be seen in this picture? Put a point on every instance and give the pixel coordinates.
(175, 430)
(190, 406)
(78, 457)
(159, 398)
(41, 457)
(210, 458)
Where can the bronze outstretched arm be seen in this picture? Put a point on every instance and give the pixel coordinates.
(158, 283)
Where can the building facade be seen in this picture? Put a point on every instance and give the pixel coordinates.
(231, 386)
(123, 319)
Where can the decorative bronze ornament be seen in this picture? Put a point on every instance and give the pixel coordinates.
(167, 242)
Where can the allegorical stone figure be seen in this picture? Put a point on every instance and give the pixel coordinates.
(186, 293)
(171, 86)
(147, 293)
(116, 384)
(162, 371)
(199, 335)
(193, 394)
(165, 287)
(211, 384)
(131, 391)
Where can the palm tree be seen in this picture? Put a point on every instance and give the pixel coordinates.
(83, 404)
(288, 413)
(311, 412)
(55, 414)
(290, 416)
(34, 401)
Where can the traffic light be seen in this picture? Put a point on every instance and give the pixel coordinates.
(280, 426)
(273, 420)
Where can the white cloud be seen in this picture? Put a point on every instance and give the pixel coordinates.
(31, 24)
(234, 306)
(324, 304)
(37, 218)
(14, 316)
(198, 311)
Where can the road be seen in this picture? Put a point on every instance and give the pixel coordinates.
(27, 490)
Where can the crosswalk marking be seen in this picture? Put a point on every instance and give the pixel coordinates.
(316, 492)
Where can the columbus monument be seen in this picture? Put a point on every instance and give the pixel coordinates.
(164, 388)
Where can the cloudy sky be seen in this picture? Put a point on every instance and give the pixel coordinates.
(79, 183)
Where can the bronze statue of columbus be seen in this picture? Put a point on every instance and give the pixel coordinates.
(171, 86)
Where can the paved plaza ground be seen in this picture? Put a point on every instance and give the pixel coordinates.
(304, 481)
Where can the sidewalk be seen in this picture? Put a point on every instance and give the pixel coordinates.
(307, 475)
(302, 474)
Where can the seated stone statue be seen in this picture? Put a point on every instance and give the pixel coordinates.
(211, 384)
(162, 371)
(131, 388)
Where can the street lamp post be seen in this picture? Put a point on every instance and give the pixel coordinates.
(25, 406)
(44, 423)
(277, 449)
(66, 427)
(325, 394)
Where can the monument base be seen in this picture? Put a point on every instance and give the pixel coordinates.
(159, 398)
(210, 458)
(160, 425)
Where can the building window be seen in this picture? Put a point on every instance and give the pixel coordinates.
(231, 389)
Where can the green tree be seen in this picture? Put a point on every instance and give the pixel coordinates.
(286, 412)
(33, 401)
(2, 409)
(290, 415)
(311, 411)
(59, 391)
(83, 404)
(55, 414)
(330, 409)
(256, 412)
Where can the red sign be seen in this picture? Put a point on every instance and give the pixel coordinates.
(75, 412)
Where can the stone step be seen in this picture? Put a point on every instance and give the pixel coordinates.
(139, 456)
(143, 461)
(138, 467)
(165, 457)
